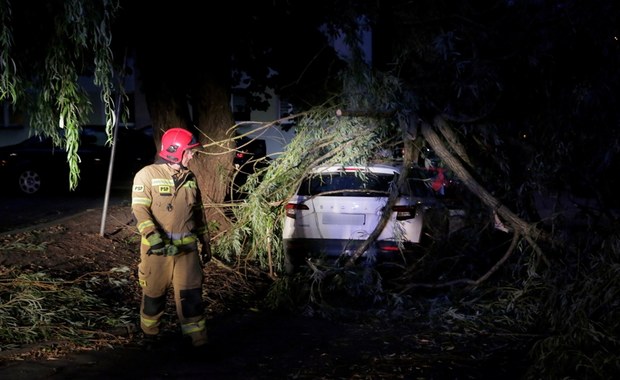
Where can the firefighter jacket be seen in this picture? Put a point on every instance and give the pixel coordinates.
(166, 204)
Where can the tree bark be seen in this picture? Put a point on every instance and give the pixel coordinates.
(214, 166)
(166, 113)
(204, 109)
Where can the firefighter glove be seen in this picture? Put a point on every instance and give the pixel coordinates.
(157, 244)
(165, 250)
(171, 250)
(157, 251)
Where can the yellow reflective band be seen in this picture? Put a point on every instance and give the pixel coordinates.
(162, 182)
(149, 322)
(185, 240)
(193, 327)
(140, 201)
(145, 225)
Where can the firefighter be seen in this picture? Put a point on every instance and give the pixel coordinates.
(174, 248)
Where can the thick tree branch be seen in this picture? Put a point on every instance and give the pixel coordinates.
(452, 140)
(518, 224)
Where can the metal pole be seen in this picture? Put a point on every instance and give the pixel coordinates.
(117, 111)
(106, 198)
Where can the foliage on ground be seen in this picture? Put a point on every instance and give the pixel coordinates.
(527, 319)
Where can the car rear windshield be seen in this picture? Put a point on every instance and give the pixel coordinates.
(349, 183)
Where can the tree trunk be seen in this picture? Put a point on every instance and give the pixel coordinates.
(214, 168)
(169, 107)
(166, 113)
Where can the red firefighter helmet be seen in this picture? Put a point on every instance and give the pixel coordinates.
(174, 142)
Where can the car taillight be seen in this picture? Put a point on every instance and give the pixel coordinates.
(388, 247)
(291, 209)
(404, 212)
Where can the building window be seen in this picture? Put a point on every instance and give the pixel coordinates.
(285, 109)
(240, 107)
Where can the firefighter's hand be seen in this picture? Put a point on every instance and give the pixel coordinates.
(205, 253)
(157, 245)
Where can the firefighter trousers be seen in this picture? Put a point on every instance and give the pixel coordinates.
(182, 272)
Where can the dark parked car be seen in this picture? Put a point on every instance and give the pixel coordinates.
(35, 165)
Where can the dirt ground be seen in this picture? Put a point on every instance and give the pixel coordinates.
(246, 340)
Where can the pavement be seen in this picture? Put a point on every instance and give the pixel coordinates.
(19, 213)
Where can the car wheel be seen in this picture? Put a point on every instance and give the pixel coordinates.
(29, 182)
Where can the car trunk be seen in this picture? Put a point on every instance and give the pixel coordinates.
(348, 218)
